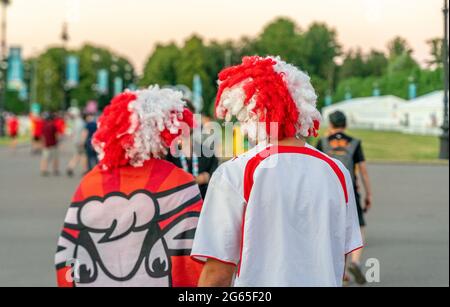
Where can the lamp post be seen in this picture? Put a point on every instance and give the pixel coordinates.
(66, 90)
(228, 55)
(443, 154)
(3, 63)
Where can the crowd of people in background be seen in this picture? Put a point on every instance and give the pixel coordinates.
(48, 131)
(76, 128)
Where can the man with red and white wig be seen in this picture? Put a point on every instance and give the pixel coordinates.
(282, 214)
(132, 219)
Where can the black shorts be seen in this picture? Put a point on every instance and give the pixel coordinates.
(36, 138)
(362, 221)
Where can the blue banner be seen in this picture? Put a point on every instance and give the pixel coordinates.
(348, 96)
(35, 108)
(328, 100)
(197, 99)
(15, 72)
(376, 92)
(23, 93)
(72, 71)
(412, 91)
(118, 85)
(132, 87)
(103, 81)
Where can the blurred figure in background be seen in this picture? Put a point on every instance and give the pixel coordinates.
(89, 130)
(50, 154)
(60, 124)
(79, 156)
(37, 124)
(13, 130)
(193, 162)
(349, 151)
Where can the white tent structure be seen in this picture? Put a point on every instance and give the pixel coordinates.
(423, 115)
(375, 113)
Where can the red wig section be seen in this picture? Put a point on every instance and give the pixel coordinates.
(188, 119)
(274, 103)
(112, 132)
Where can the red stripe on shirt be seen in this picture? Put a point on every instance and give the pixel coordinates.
(253, 164)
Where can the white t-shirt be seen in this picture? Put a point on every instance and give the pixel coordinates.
(285, 216)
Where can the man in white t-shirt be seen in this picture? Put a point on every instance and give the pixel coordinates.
(282, 214)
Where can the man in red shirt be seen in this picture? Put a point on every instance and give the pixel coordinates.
(37, 123)
(50, 153)
(13, 130)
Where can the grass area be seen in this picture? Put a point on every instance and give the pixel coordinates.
(398, 147)
(378, 146)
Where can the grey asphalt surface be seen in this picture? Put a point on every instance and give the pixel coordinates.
(408, 229)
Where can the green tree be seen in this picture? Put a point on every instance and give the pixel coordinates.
(246, 46)
(404, 64)
(282, 38)
(160, 67)
(353, 65)
(398, 47)
(50, 68)
(92, 59)
(356, 64)
(376, 63)
(320, 49)
(50, 75)
(218, 56)
(436, 52)
(313, 51)
(193, 60)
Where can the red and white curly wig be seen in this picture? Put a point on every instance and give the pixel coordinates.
(268, 90)
(140, 125)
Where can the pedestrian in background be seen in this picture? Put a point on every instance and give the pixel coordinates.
(13, 130)
(37, 124)
(191, 161)
(88, 133)
(78, 147)
(50, 154)
(341, 146)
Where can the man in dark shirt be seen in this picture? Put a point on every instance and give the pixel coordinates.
(349, 151)
(50, 152)
(88, 134)
(200, 166)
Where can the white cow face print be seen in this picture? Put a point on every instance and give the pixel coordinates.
(120, 240)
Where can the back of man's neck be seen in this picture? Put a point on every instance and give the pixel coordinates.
(292, 142)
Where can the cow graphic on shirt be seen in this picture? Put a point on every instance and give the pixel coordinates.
(142, 238)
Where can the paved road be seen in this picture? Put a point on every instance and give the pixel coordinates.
(408, 228)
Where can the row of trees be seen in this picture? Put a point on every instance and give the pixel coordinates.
(390, 73)
(315, 49)
(45, 76)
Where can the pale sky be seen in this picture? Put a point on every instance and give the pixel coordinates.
(133, 27)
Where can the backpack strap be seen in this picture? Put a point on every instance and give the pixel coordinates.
(325, 145)
(353, 146)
